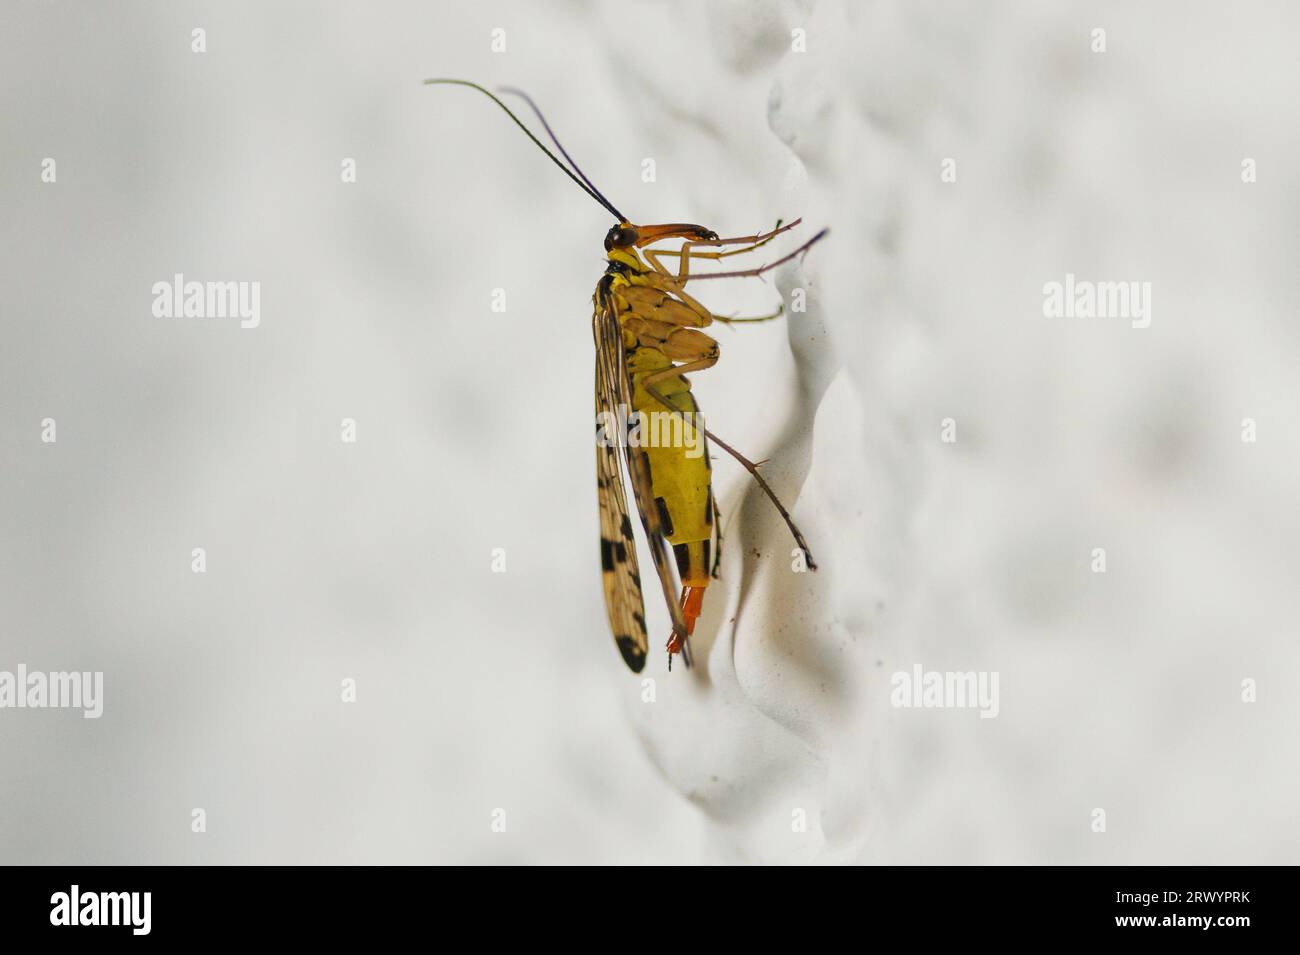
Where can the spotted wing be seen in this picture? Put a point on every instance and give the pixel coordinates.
(622, 582)
(619, 573)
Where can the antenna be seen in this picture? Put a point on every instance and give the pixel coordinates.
(511, 91)
(582, 182)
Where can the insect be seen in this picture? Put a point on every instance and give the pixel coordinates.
(647, 332)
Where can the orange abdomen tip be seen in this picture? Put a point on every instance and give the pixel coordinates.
(692, 604)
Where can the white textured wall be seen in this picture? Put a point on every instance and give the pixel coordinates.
(480, 691)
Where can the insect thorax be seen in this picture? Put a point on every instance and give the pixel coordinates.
(625, 262)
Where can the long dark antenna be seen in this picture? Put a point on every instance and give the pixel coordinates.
(582, 183)
(512, 91)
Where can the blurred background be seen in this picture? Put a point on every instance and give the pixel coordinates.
(486, 697)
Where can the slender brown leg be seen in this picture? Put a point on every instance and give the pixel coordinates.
(763, 238)
(764, 268)
(688, 249)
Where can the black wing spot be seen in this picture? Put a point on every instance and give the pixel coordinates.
(633, 655)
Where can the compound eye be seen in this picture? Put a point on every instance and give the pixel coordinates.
(622, 236)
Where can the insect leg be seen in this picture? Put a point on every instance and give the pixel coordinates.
(761, 239)
(689, 251)
(780, 310)
(668, 284)
(763, 268)
(664, 282)
(752, 468)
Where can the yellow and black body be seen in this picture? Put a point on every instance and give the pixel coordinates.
(658, 331)
(647, 332)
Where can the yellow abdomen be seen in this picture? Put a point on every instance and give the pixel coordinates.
(679, 464)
